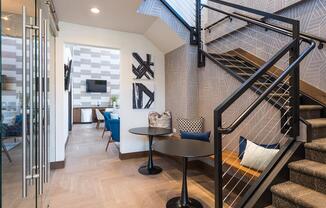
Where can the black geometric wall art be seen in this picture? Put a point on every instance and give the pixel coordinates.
(143, 95)
(143, 69)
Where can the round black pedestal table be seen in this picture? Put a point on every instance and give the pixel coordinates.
(185, 149)
(150, 168)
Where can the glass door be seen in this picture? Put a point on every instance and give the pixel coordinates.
(24, 168)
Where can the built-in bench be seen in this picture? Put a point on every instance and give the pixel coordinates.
(232, 161)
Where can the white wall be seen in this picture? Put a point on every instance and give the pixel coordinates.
(126, 43)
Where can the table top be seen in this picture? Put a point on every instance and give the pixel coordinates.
(184, 148)
(151, 131)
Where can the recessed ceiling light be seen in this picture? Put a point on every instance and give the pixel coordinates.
(8, 29)
(95, 10)
(5, 18)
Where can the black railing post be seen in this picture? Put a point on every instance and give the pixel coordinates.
(218, 160)
(295, 82)
(200, 55)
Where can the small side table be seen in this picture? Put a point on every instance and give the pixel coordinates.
(150, 169)
(185, 149)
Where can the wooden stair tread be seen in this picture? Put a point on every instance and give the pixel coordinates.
(317, 122)
(311, 107)
(231, 159)
(279, 95)
(242, 67)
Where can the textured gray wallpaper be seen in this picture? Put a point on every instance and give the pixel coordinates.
(181, 83)
(94, 63)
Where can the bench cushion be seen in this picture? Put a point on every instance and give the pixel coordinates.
(231, 160)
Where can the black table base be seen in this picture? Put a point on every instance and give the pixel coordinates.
(150, 169)
(184, 201)
(176, 203)
(144, 170)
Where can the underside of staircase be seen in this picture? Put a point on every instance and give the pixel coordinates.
(307, 182)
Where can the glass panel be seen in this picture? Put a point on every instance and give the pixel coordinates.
(12, 105)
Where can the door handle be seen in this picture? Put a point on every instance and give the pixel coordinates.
(40, 107)
(31, 110)
(24, 175)
(28, 172)
(46, 137)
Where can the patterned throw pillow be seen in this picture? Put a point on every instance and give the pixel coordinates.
(163, 120)
(191, 125)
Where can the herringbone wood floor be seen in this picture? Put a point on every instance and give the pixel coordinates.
(94, 178)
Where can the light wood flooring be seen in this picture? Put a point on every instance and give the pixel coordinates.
(94, 178)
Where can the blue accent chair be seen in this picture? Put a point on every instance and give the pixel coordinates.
(7, 131)
(112, 125)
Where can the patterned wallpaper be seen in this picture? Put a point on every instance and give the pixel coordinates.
(94, 63)
(312, 15)
(182, 83)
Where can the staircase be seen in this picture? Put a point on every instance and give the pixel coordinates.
(280, 88)
(307, 185)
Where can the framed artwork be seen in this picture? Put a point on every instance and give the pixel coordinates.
(143, 95)
(143, 67)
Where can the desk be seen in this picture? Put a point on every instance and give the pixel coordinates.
(77, 112)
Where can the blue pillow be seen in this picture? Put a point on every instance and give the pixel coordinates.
(243, 145)
(203, 136)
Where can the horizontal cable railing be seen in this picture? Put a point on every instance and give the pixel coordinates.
(265, 108)
(270, 112)
(185, 9)
(185, 12)
(264, 19)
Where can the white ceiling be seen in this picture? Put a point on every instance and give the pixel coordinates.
(118, 15)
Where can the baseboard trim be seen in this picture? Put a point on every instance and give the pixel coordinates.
(132, 155)
(57, 165)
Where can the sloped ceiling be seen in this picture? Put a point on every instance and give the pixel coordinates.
(118, 15)
(163, 36)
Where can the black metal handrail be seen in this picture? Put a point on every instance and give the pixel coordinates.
(249, 82)
(263, 96)
(217, 22)
(303, 35)
(177, 15)
(257, 12)
(192, 29)
(260, 23)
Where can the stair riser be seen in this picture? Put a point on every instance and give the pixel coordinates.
(316, 155)
(314, 183)
(310, 114)
(279, 202)
(317, 133)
